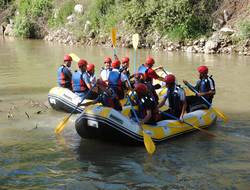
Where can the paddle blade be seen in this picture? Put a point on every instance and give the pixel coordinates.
(135, 39)
(62, 125)
(113, 35)
(221, 114)
(74, 57)
(148, 142)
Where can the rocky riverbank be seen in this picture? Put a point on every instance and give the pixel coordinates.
(221, 42)
(226, 37)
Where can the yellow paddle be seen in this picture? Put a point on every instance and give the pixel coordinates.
(63, 123)
(74, 57)
(148, 142)
(135, 40)
(113, 38)
(216, 110)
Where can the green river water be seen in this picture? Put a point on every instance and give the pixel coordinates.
(33, 157)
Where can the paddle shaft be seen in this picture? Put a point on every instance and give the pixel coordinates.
(176, 118)
(82, 99)
(196, 92)
(172, 116)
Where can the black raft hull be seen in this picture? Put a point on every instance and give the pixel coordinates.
(94, 127)
(105, 123)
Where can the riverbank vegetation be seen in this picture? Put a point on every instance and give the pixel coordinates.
(177, 21)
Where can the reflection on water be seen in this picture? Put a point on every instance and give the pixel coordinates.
(32, 157)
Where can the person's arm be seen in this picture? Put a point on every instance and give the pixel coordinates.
(152, 74)
(209, 93)
(147, 117)
(158, 68)
(87, 81)
(162, 103)
(184, 104)
(184, 107)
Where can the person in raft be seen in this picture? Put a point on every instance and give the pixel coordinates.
(64, 74)
(105, 71)
(149, 75)
(116, 79)
(205, 87)
(106, 97)
(81, 82)
(147, 112)
(176, 98)
(125, 67)
(91, 73)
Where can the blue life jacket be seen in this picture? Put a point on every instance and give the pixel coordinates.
(142, 69)
(115, 83)
(78, 83)
(64, 77)
(203, 85)
(114, 79)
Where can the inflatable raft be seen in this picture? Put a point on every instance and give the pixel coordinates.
(62, 99)
(106, 123)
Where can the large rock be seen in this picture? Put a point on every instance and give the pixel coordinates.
(71, 18)
(78, 9)
(9, 30)
(211, 47)
(227, 31)
(191, 49)
(87, 26)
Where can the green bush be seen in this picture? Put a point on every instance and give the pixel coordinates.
(178, 19)
(64, 10)
(99, 13)
(27, 23)
(244, 27)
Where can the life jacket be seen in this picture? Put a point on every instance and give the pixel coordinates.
(92, 78)
(64, 77)
(115, 83)
(150, 102)
(144, 70)
(203, 85)
(148, 81)
(175, 103)
(104, 74)
(110, 101)
(78, 83)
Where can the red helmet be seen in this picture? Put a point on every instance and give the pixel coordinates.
(90, 67)
(116, 64)
(125, 60)
(107, 60)
(150, 61)
(202, 69)
(82, 62)
(67, 58)
(141, 88)
(169, 79)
